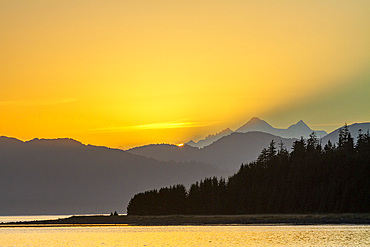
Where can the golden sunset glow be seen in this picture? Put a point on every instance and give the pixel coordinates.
(127, 73)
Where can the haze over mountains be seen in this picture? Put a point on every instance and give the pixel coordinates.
(255, 124)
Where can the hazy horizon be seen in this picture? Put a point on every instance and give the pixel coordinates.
(144, 144)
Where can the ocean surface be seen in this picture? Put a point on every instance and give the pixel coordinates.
(318, 235)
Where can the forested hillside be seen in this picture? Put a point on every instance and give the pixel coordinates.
(309, 179)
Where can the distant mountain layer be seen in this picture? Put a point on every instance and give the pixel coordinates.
(227, 153)
(255, 124)
(294, 131)
(63, 176)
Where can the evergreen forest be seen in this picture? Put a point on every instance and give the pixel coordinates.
(312, 178)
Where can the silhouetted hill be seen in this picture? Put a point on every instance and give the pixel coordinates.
(64, 176)
(210, 139)
(227, 153)
(294, 131)
(353, 129)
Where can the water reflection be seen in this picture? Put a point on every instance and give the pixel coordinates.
(188, 236)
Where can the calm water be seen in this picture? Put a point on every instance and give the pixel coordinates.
(187, 236)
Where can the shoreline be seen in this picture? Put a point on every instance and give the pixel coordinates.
(199, 220)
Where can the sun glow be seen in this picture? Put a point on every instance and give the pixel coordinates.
(121, 73)
(180, 145)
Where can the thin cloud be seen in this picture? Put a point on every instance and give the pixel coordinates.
(154, 126)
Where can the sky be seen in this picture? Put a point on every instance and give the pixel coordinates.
(124, 73)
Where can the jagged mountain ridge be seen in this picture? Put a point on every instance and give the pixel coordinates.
(294, 131)
(255, 124)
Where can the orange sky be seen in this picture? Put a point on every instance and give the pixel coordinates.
(127, 73)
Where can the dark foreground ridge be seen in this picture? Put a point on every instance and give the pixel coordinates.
(199, 220)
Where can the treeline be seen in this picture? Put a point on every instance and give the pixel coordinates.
(310, 179)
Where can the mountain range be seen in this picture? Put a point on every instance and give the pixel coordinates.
(64, 176)
(300, 129)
